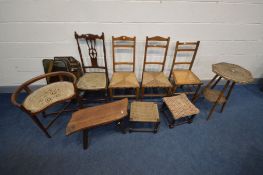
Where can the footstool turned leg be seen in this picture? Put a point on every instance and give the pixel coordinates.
(156, 127)
(190, 119)
(171, 124)
(131, 126)
(85, 139)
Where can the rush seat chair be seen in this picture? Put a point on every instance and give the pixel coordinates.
(123, 79)
(155, 79)
(185, 77)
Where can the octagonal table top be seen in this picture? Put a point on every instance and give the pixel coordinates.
(232, 72)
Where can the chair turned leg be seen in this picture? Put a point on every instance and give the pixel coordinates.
(40, 125)
(196, 93)
(142, 93)
(171, 124)
(137, 93)
(111, 93)
(80, 102)
(169, 92)
(174, 89)
(85, 139)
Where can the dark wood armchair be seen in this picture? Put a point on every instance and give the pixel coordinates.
(39, 100)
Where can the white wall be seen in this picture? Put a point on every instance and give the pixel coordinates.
(30, 30)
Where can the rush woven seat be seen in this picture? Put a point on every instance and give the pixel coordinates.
(155, 79)
(185, 77)
(48, 95)
(144, 112)
(180, 106)
(124, 80)
(92, 81)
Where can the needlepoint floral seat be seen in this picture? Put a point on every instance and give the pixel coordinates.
(92, 81)
(48, 95)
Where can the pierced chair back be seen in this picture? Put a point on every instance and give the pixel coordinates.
(123, 42)
(183, 47)
(91, 42)
(154, 42)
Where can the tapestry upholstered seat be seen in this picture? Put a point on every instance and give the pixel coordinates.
(92, 81)
(48, 95)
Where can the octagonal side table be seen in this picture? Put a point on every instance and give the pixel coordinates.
(233, 74)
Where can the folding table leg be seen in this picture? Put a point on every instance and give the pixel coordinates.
(217, 100)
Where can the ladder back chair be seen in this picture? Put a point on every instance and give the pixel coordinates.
(123, 79)
(39, 100)
(154, 79)
(181, 77)
(92, 81)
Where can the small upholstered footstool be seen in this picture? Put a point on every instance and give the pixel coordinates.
(181, 108)
(144, 112)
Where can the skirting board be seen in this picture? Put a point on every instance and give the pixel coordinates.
(10, 89)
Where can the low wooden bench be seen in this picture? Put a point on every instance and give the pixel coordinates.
(87, 118)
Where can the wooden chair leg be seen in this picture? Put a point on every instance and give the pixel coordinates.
(169, 91)
(174, 89)
(156, 127)
(137, 93)
(190, 119)
(111, 93)
(40, 125)
(171, 124)
(142, 95)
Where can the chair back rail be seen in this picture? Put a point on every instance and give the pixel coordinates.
(177, 50)
(115, 46)
(157, 46)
